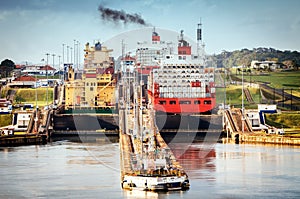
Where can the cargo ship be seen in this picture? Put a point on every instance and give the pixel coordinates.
(184, 82)
(94, 90)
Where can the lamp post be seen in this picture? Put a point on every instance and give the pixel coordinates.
(78, 54)
(74, 52)
(59, 67)
(243, 119)
(63, 53)
(68, 54)
(71, 53)
(53, 55)
(36, 107)
(47, 54)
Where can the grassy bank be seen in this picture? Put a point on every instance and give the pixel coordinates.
(29, 95)
(284, 120)
(234, 96)
(278, 80)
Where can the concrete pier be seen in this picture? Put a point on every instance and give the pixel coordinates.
(18, 140)
(147, 163)
(261, 138)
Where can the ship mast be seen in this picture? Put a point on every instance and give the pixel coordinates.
(200, 44)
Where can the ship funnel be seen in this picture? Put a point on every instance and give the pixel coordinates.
(155, 36)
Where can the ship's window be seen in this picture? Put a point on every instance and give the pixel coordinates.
(192, 66)
(174, 67)
(197, 102)
(185, 102)
(162, 102)
(172, 102)
(207, 101)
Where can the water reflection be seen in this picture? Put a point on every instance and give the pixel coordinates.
(76, 168)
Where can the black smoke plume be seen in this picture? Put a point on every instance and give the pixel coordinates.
(121, 16)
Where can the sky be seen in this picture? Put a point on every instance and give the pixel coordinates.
(31, 28)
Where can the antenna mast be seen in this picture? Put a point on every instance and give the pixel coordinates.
(199, 39)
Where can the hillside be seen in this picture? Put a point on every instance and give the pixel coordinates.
(245, 56)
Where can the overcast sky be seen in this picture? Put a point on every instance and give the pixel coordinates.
(31, 28)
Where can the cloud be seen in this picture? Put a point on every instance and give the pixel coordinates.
(4, 15)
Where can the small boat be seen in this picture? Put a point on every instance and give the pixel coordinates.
(155, 182)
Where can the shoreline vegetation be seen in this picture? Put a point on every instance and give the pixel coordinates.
(287, 119)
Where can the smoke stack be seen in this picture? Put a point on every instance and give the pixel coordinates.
(116, 16)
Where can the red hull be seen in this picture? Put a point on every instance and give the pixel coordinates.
(184, 105)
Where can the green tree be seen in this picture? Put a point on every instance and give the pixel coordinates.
(6, 67)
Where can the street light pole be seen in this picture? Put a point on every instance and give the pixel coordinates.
(36, 107)
(53, 55)
(68, 54)
(78, 55)
(59, 75)
(74, 52)
(71, 55)
(243, 119)
(47, 77)
(63, 53)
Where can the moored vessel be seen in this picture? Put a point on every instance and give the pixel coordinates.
(184, 82)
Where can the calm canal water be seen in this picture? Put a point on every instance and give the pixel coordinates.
(71, 169)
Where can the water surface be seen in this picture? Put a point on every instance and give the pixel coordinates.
(72, 169)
